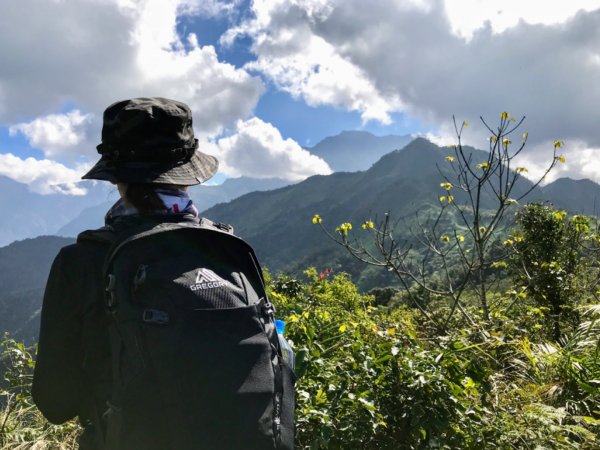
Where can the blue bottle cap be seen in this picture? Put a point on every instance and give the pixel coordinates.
(280, 325)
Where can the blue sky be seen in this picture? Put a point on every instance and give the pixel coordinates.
(306, 124)
(266, 78)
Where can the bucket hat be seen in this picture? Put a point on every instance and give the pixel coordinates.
(150, 140)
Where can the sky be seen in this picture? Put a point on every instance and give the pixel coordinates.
(268, 79)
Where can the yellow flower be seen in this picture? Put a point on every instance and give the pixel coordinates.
(505, 115)
(525, 136)
(482, 230)
(465, 124)
(450, 158)
(317, 219)
(450, 198)
(368, 225)
(344, 228)
(444, 238)
(446, 186)
(506, 141)
(522, 169)
(561, 159)
(558, 144)
(460, 238)
(494, 139)
(442, 199)
(391, 331)
(483, 165)
(343, 328)
(560, 215)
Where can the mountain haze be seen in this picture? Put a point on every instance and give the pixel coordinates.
(26, 214)
(575, 196)
(204, 196)
(24, 268)
(351, 151)
(278, 223)
(348, 151)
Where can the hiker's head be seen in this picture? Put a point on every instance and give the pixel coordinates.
(150, 141)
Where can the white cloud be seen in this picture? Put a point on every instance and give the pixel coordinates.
(90, 53)
(258, 150)
(42, 176)
(412, 57)
(306, 65)
(466, 16)
(95, 52)
(582, 161)
(55, 134)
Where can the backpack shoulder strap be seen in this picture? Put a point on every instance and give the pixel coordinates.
(106, 234)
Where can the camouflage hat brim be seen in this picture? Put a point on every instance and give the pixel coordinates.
(199, 168)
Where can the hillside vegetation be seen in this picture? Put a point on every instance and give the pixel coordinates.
(488, 336)
(380, 377)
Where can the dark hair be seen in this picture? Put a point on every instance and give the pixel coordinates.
(144, 198)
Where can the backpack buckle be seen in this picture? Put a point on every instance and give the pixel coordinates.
(155, 316)
(268, 307)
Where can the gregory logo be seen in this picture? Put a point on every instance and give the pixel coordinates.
(207, 279)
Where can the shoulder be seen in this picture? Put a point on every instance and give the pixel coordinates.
(88, 251)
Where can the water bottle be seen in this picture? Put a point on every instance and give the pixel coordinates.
(286, 350)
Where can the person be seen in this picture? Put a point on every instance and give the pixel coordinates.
(149, 152)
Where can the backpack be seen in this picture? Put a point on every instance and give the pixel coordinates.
(196, 361)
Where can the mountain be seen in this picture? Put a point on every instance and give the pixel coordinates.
(27, 214)
(204, 196)
(24, 268)
(32, 214)
(278, 223)
(351, 151)
(574, 196)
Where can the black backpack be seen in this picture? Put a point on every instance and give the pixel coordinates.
(195, 355)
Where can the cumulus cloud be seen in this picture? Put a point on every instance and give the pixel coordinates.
(90, 53)
(581, 161)
(306, 65)
(258, 150)
(95, 52)
(55, 134)
(409, 57)
(466, 16)
(42, 176)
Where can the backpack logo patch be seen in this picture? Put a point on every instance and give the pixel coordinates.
(207, 279)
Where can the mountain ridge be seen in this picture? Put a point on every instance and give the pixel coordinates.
(278, 223)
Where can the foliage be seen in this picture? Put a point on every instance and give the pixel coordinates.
(476, 193)
(22, 426)
(379, 378)
(551, 255)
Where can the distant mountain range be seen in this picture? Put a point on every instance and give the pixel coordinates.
(204, 196)
(351, 151)
(24, 268)
(278, 224)
(28, 214)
